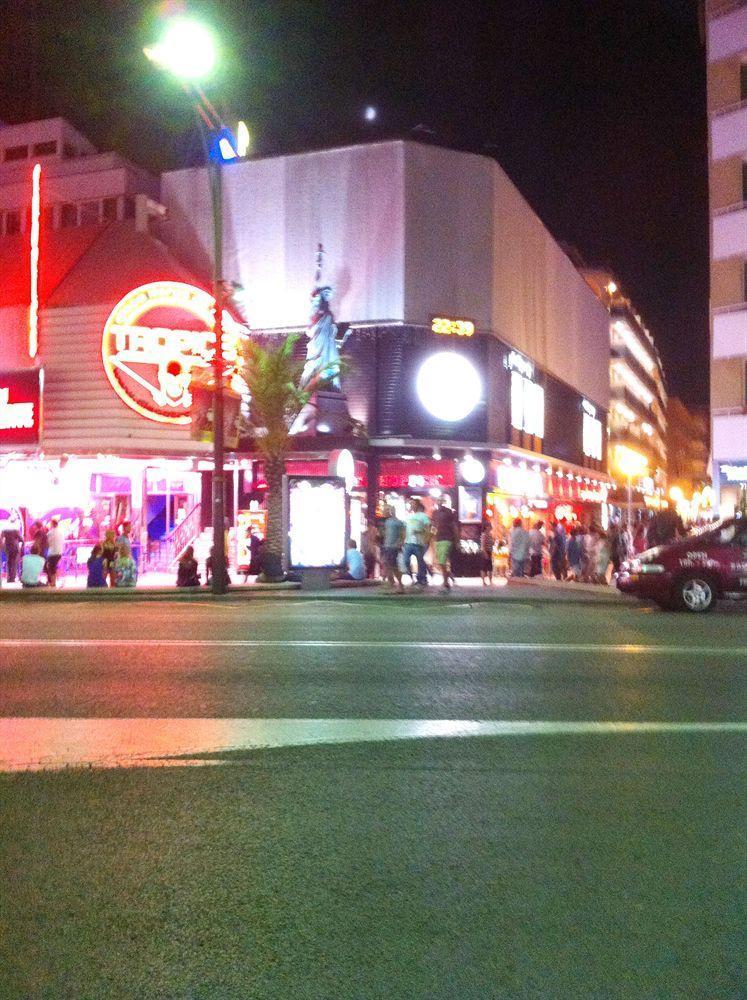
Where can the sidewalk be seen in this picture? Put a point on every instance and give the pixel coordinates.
(156, 587)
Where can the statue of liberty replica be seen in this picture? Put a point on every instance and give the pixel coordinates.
(323, 349)
(327, 410)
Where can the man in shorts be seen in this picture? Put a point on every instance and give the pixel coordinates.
(394, 537)
(446, 534)
(55, 546)
(417, 539)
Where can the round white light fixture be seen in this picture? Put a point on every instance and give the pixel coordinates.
(472, 470)
(449, 386)
(370, 113)
(345, 468)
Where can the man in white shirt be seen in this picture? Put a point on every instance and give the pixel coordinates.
(417, 539)
(56, 544)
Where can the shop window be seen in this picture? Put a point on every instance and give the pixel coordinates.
(527, 405)
(13, 222)
(109, 209)
(68, 215)
(13, 153)
(48, 148)
(89, 213)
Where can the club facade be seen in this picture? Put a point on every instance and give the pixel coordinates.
(474, 355)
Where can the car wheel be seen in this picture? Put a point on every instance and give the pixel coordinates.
(695, 593)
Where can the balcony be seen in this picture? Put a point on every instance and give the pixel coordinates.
(730, 232)
(729, 132)
(730, 332)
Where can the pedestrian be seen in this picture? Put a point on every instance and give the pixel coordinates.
(536, 541)
(55, 546)
(209, 570)
(39, 537)
(125, 573)
(355, 566)
(417, 538)
(391, 550)
(13, 544)
(602, 557)
(186, 572)
(640, 542)
(575, 553)
(446, 535)
(96, 568)
(558, 551)
(109, 555)
(518, 548)
(487, 541)
(370, 541)
(32, 566)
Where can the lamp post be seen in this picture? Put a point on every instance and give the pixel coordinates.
(630, 463)
(187, 51)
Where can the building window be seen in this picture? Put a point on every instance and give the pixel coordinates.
(13, 222)
(129, 207)
(16, 153)
(68, 215)
(45, 148)
(527, 405)
(109, 209)
(89, 213)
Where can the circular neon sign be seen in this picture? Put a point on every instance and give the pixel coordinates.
(155, 338)
(449, 386)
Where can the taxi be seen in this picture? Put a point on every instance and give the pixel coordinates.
(692, 573)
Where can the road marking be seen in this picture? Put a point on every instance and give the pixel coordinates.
(48, 743)
(531, 647)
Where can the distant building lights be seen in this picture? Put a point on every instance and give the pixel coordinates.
(370, 114)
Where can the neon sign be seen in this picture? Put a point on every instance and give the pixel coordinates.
(20, 407)
(156, 337)
(452, 327)
(34, 260)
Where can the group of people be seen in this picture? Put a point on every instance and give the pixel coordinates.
(41, 557)
(110, 563)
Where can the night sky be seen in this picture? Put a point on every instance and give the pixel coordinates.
(595, 108)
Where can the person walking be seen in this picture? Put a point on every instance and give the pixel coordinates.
(55, 546)
(13, 544)
(109, 555)
(186, 572)
(558, 551)
(417, 538)
(487, 541)
(536, 541)
(96, 568)
(640, 542)
(518, 548)
(39, 537)
(370, 541)
(575, 554)
(602, 557)
(394, 539)
(446, 534)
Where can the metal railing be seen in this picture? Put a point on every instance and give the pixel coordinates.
(166, 552)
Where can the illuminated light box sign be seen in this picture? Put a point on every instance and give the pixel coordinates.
(20, 407)
(317, 522)
(733, 473)
(154, 341)
(519, 482)
(449, 386)
(452, 327)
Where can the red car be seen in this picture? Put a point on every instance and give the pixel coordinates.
(691, 573)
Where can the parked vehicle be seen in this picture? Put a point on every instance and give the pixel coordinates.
(692, 573)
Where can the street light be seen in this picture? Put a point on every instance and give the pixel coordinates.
(188, 52)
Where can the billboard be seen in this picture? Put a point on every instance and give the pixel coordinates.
(317, 521)
(21, 408)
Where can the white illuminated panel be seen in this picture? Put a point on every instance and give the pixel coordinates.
(317, 522)
(592, 436)
(527, 405)
(449, 386)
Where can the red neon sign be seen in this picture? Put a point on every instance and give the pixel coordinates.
(34, 288)
(20, 408)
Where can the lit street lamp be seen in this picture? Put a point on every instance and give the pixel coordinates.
(188, 51)
(630, 463)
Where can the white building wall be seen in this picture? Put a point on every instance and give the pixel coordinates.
(410, 231)
(277, 211)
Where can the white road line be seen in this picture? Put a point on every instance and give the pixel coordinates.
(49, 743)
(532, 647)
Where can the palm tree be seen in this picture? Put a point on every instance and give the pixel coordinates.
(272, 376)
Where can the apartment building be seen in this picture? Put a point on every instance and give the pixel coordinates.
(726, 45)
(637, 426)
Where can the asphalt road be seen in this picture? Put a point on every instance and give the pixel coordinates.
(553, 862)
